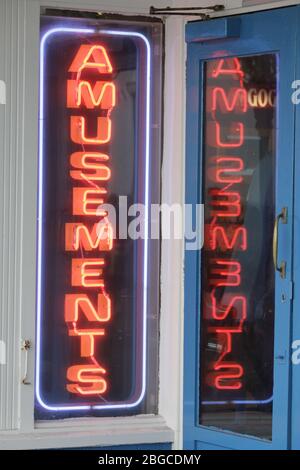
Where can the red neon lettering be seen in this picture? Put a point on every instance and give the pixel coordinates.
(85, 204)
(78, 132)
(87, 340)
(91, 166)
(85, 54)
(74, 303)
(220, 239)
(102, 95)
(226, 203)
(87, 272)
(87, 380)
(78, 235)
(228, 272)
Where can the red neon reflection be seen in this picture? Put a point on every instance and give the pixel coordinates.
(234, 135)
(233, 305)
(223, 174)
(227, 380)
(230, 66)
(223, 235)
(220, 239)
(235, 100)
(225, 203)
(228, 273)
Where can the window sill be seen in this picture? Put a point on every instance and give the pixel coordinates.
(95, 432)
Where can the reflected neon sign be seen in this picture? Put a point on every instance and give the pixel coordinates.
(237, 275)
(225, 203)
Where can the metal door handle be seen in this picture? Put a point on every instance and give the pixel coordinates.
(282, 267)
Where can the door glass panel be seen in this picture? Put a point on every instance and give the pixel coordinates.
(237, 314)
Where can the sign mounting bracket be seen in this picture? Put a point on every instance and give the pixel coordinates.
(185, 11)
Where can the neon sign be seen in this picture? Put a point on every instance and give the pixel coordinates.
(91, 319)
(238, 133)
(88, 379)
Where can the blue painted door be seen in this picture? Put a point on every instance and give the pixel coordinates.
(238, 287)
(295, 411)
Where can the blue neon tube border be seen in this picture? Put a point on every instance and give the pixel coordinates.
(40, 214)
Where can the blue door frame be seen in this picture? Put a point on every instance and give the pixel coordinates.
(249, 34)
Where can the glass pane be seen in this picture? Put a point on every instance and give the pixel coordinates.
(237, 319)
(93, 353)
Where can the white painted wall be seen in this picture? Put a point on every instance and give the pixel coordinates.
(171, 338)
